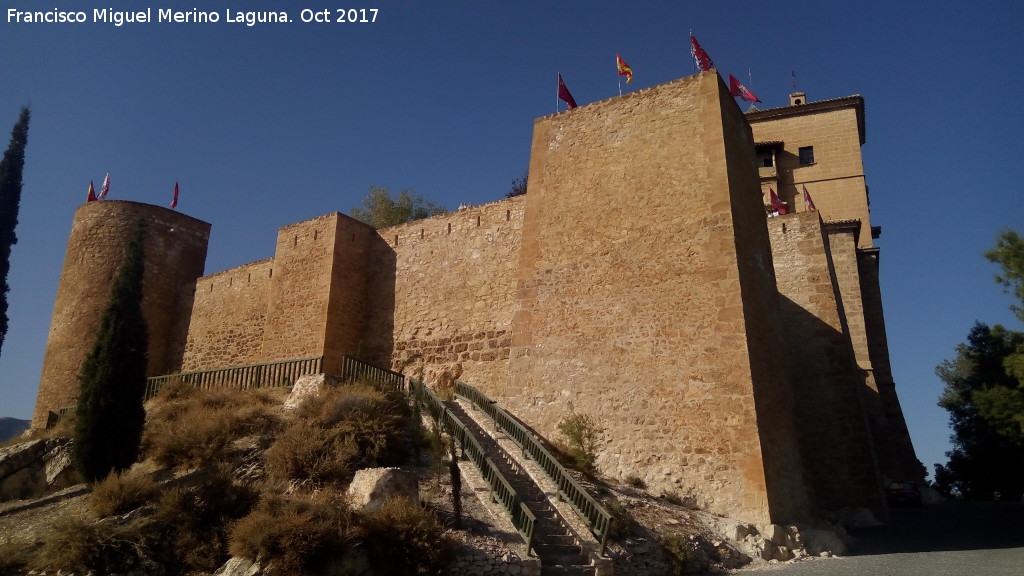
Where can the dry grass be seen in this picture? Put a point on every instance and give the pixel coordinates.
(404, 539)
(297, 536)
(195, 520)
(190, 428)
(120, 493)
(306, 452)
(342, 429)
(82, 545)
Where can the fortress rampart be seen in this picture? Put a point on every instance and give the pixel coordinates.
(737, 363)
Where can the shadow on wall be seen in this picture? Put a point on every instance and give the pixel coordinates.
(832, 395)
(379, 338)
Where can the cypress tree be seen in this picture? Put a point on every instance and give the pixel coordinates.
(109, 414)
(11, 168)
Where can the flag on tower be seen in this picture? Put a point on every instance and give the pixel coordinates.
(807, 200)
(92, 193)
(738, 90)
(777, 204)
(700, 57)
(105, 189)
(174, 201)
(563, 93)
(624, 69)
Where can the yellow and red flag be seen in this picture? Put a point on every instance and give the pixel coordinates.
(92, 193)
(624, 69)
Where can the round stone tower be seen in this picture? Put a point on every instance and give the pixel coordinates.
(175, 254)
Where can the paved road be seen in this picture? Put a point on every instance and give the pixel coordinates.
(948, 539)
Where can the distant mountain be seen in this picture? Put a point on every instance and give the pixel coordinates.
(11, 427)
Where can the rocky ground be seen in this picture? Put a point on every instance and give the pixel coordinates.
(655, 535)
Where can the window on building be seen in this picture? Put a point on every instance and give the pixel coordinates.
(806, 155)
(764, 160)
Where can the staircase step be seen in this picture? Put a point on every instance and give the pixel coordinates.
(559, 551)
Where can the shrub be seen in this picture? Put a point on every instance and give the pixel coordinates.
(14, 558)
(306, 451)
(685, 555)
(404, 539)
(636, 482)
(196, 518)
(296, 536)
(105, 547)
(622, 521)
(375, 419)
(191, 428)
(121, 492)
(580, 432)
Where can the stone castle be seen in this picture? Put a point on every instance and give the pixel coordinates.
(732, 356)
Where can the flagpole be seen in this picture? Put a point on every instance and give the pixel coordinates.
(693, 60)
(557, 87)
(620, 86)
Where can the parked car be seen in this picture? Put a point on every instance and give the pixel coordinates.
(903, 493)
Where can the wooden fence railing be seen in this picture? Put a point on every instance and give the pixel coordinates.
(266, 375)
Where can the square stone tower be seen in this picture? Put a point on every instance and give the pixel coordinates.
(647, 299)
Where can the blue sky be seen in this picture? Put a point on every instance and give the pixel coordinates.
(275, 123)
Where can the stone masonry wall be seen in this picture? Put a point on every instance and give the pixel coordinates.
(629, 294)
(447, 303)
(228, 316)
(830, 412)
(175, 253)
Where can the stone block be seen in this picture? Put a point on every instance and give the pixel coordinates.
(371, 487)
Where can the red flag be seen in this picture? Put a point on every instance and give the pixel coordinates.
(738, 90)
(701, 57)
(174, 201)
(808, 201)
(563, 93)
(106, 188)
(624, 69)
(92, 193)
(777, 204)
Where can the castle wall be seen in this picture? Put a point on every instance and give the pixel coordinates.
(446, 306)
(175, 253)
(834, 435)
(227, 318)
(631, 301)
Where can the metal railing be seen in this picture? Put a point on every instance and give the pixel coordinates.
(352, 369)
(593, 514)
(501, 491)
(267, 375)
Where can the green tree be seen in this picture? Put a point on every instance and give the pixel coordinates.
(109, 414)
(518, 185)
(1003, 407)
(1009, 254)
(983, 460)
(380, 210)
(11, 168)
